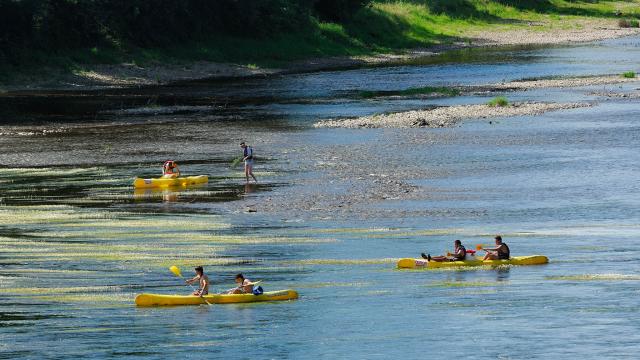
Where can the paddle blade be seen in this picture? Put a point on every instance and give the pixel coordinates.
(175, 270)
(479, 247)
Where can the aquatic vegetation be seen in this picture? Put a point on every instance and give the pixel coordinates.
(459, 284)
(340, 261)
(595, 277)
(629, 74)
(322, 285)
(499, 101)
(353, 230)
(235, 162)
(52, 172)
(63, 290)
(425, 90)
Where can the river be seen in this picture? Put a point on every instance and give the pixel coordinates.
(332, 212)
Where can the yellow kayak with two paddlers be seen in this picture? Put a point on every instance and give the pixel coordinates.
(173, 300)
(514, 260)
(163, 182)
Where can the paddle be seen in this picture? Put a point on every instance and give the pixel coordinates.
(176, 271)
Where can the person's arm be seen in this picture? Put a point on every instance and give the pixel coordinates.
(490, 249)
(191, 281)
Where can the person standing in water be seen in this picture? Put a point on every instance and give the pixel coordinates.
(247, 157)
(203, 281)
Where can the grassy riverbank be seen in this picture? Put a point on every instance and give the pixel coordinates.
(381, 28)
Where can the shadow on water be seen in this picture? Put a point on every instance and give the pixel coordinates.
(222, 97)
(13, 319)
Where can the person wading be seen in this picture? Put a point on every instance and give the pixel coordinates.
(247, 157)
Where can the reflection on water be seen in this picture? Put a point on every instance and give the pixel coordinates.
(333, 212)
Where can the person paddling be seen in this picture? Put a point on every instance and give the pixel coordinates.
(500, 252)
(247, 157)
(459, 254)
(202, 279)
(170, 169)
(245, 286)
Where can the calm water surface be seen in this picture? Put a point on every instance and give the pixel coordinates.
(77, 243)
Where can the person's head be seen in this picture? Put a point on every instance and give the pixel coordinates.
(199, 270)
(457, 243)
(498, 239)
(239, 278)
(243, 145)
(170, 164)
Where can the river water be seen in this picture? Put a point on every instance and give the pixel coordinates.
(332, 212)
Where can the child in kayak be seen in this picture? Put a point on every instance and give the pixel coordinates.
(500, 252)
(203, 281)
(459, 254)
(170, 169)
(247, 157)
(245, 286)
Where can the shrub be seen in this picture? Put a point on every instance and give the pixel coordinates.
(629, 74)
(338, 10)
(628, 23)
(498, 101)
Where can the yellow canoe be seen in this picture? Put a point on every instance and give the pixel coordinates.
(169, 182)
(515, 260)
(172, 300)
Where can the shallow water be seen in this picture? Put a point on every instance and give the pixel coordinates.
(335, 209)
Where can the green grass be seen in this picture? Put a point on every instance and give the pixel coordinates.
(629, 74)
(498, 101)
(426, 90)
(628, 23)
(387, 26)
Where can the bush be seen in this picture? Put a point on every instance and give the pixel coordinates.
(498, 101)
(628, 23)
(338, 10)
(51, 25)
(629, 74)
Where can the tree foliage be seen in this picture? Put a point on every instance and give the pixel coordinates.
(49, 25)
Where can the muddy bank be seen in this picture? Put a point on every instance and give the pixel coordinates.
(446, 116)
(131, 75)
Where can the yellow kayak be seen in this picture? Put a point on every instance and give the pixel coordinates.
(169, 300)
(515, 260)
(169, 182)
